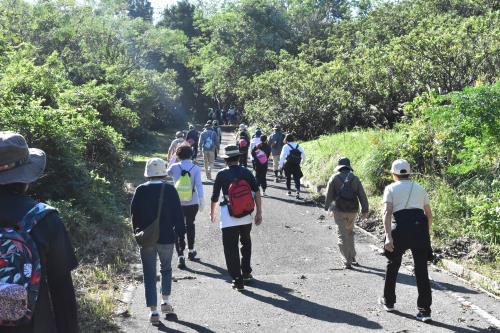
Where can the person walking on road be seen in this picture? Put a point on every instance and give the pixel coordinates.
(240, 197)
(343, 196)
(192, 138)
(276, 141)
(260, 155)
(157, 221)
(179, 140)
(207, 145)
(243, 143)
(187, 180)
(254, 142)
(218, 131)
(33, 237)
(409, 203)
(291, 158)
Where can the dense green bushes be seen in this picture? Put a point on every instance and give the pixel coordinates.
(453, 145)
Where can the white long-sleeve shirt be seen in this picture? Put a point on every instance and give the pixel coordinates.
(286, 151)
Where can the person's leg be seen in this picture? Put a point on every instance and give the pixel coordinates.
(350, 218)
(276, 165)
(190, 215)
(342, 238)
(246, 248)
(165, 252)
(424, 300)
(206, 162)
(296, 179)
(392, 269)
(230, 242)
(288, 176)
(264, 179)
(148, 259)
(211, 157)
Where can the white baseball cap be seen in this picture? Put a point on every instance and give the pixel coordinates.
(400, 167)
(155, 167)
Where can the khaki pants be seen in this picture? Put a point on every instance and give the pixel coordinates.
(345, 233)
(208, 158)
(276, 162)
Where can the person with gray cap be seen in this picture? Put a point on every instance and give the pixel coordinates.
(343, 197)
(157, 222)
(409, 203)
(51, 304)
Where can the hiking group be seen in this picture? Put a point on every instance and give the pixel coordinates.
(36, 255)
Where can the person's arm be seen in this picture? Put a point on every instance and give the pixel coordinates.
(284, 154)
(330, 193)
(215, 198)
(428, 213)
(175, 211)
(303, 154)
(363, 199)
(200, 142)
(258, 206)
(199, 188)
(387, 216)
(62, 294)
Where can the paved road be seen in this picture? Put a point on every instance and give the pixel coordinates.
(300, 285)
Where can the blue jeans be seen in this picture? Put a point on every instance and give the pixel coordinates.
(148, 258)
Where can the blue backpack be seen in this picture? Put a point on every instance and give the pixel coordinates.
(20, 269)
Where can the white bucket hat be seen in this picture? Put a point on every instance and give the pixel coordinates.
(155, 167)
(401, 167)
(243, 127)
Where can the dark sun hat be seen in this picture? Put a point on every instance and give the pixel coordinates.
(231, 151)
(18, 163)
(343, 162)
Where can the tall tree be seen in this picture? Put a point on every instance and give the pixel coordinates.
(180, 16)
(140, 8)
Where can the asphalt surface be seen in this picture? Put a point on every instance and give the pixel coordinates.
(300, 285)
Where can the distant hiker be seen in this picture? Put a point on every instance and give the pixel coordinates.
(244, 146)
(208, 143)
(254, 142)
(179, 140)
(276, 141)
(344, 194)
(224, 117)
(218, 131)
(260, 154)
(409, 203)
(291, 158)
(157, 222)
(187, 182)
(240, 197)
(36, 255)
(193, 138)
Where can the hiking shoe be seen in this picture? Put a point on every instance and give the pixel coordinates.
(289, 193)
(298, 195)
(277, 180)
(154, 318)
(192, 255)
(347, 266)
(354, 262)
(387, 307)
(423, 316)
(167, 308)
(264, 194)
(181, 264)
(247, 278)
(238, 284)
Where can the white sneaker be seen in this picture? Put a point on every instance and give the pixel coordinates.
(387, 307)
(167, 308)
(154, 318)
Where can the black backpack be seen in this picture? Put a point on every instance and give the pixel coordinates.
(295, 155)
(347, 200)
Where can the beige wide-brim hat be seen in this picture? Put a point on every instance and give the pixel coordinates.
(18, 163)
(155, 167)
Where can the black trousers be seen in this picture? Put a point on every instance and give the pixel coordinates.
(230, 238)
(195, 151)
(189, 217)
(416, 239)
(293, 172)
(244, 158)
(260, 175)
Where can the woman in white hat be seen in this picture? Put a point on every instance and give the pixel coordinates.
(409, 203)
(50, 294)
(156, 214)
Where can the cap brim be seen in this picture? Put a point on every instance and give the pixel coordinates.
(338, 167)
(224, 156)
(28, 172)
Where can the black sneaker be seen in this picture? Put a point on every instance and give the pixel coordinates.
(247, 278)
(181, 263)
(354, 262)
(238, 284)
(298, 195)
(423, 316)
(289, 193)
(387, 307)
(192, 255)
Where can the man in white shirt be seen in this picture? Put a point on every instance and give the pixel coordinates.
(292, 156)
(409, 203)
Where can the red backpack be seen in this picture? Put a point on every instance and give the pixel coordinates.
(243, 143)
(239, 198)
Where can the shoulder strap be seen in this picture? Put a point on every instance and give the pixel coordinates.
(289, 145)
(160, 202)
(409, 195)
(36, 214)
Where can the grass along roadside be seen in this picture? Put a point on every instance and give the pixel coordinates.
(371, 162)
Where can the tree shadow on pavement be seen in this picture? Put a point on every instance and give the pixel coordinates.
(451, 328)
(301, 202)
(300, 306)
